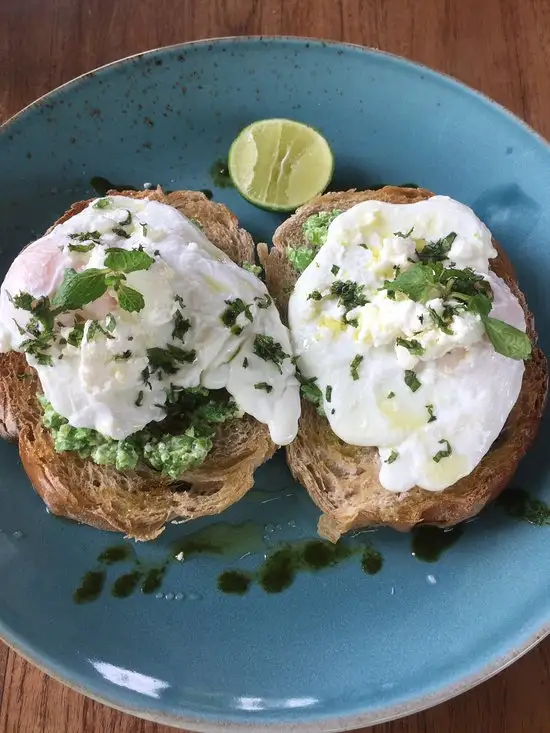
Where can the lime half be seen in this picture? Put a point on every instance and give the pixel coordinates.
(280, 164)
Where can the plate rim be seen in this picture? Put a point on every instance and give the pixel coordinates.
(325, 724)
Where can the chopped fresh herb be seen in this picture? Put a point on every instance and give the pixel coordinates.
(127, 260)
(124, 356)
(351, 322)
(110, 322)
(102, 204)
(120, 232)
(234, 309)
(166, 360)
(94, 328)
(257, 270)
(127, 220)
(441, 322)
(394, 455)
(245, 363)
(314, 295)
(179, 301)
(23, 375)
(144, 229)
(21, 330)
(79, 288)
(328, 393)
(23, 301)
(263, 385)
(269, 350)
(354, 366)
(86, 236)
(390, 395)
(332, 411)
(42, 359)
(181, 326)
(437, 251)
(145, 375)
(130, 300)
(237, 330)
(413, 346)
(432, 417)
(335, 270)
(404, 235)
(310, 391)
(396, 270)
(157, 253)
(411, 380)
(76, 335)
(81, 247)
(444, 453)
(139, 399)
(350, 294)
(263, 302)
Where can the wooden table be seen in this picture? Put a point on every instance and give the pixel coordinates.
(501, 47)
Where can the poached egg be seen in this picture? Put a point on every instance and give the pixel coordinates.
(431, 399)
(214, 316)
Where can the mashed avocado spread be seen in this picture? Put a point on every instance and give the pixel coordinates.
(180, 442)
(315, 230)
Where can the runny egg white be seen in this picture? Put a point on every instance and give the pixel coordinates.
(100, 383)
(432, 415)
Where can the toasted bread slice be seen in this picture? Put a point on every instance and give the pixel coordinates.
(342, 479)
(138, 503)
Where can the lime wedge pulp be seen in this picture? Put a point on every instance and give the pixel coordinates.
(280, 164)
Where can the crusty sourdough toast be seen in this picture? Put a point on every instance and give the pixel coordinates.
(342, 479)
(138, 503)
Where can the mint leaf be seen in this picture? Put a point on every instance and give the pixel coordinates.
(419, 283)
(24, 301)
(79, 288)
(480, 304)
(129, 299)
(127, 260)
(506, 339)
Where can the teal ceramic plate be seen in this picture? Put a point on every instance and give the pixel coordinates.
(342, 646)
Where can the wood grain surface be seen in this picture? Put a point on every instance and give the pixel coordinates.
(501, 47)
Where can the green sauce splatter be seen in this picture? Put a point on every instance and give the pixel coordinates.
(153, 579)
(90, 587)
(234, 581)
(126, 584)
(277, 573)
(114, 554)
(371, 561)
(429, 543)
(518, 504)
(219, 173)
